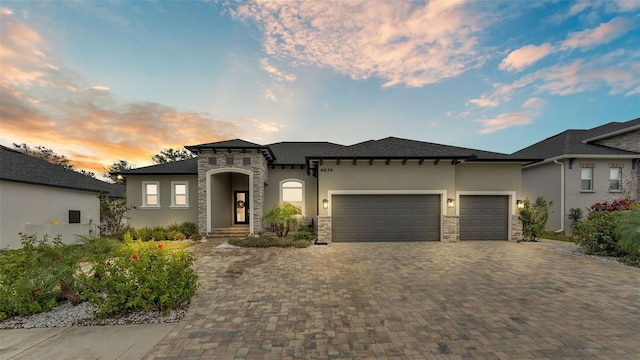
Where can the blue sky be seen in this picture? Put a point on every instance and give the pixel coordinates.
(103, 81)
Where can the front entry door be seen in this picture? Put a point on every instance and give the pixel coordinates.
(241, 206)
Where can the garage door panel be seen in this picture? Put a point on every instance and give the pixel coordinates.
(386, 217)
(484, 217)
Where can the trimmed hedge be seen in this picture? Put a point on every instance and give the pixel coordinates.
(268, 241)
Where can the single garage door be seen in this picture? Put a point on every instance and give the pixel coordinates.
(358, 218)
(484, 217)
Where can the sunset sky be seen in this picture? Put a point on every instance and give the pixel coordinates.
(103, 81)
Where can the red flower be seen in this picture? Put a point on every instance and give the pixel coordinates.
(599, 228)
(108, 263)
(159, 246)
(36, 291)
(76, 295)
(57, 258)
(134, 256)
(20, 233)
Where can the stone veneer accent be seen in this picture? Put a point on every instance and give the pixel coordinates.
(324, 229)
(516, 228)
(258, 167)
(450, 228)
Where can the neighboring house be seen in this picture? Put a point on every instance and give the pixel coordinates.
(380, 190)
(34, 194)
(582, 167)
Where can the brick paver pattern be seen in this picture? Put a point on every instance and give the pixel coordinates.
(467, 300)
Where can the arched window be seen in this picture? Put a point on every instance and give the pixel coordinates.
(292, 192)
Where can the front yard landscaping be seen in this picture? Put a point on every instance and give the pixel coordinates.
(117, 278)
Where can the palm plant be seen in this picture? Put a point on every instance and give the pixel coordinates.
(628, 231)
(282, 218)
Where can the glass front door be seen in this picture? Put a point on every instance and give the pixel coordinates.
(241, 205)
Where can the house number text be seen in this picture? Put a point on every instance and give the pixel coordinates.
(326, 169)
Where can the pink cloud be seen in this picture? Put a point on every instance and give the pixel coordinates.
(41, 103)
(399, 42)
(602, 34)
(525, 56)
(504, 121)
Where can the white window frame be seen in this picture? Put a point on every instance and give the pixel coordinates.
(145, 204)
(618, 179)
(301, 204)
(582, 178)
(174, 205)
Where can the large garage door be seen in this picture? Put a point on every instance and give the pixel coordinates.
(385, 218)
(484, 217)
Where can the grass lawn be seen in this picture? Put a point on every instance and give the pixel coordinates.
(169, 244)
(560, 237)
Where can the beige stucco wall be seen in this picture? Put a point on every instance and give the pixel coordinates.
(474, 177)
(488, 177)
(379, 176)
(278, 175)
(164, 215)
(22, 204)
(577, 198)
(544, 180)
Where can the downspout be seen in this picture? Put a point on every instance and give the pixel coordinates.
(561, 196)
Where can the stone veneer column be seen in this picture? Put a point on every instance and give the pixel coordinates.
(450, 228)
(258, 168)
(516, 228)
(324, 229)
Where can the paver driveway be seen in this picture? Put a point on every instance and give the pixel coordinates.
(484, 300)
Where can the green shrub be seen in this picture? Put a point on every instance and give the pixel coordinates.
(188, 228)
(142, 278)
(575, 215)
(534, 218)
(143, 234)
(268, 241)
(595, 234)
(196, 237)
(628, 231)
(35, 276)
(304, 235)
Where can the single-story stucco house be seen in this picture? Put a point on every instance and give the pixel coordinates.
(37, 197)
(583, 167)
(379, 190)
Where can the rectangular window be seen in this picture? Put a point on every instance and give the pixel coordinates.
(246, 161)
(229, 160)
(615, 179)
(213, 161)
(150, 194)
(586, 177)
(179, 194)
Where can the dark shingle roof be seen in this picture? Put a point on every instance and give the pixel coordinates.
(182, 167)
(19, 167)
(235, 143)
(572, 142)
(393, 147)
(293, 153)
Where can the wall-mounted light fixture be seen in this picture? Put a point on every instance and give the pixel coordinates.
(520, 204)
(451, 203)
(325, 204)
(119, 177)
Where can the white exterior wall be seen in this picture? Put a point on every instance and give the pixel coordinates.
(22, 204)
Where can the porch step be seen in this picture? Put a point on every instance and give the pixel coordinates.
(235, 231)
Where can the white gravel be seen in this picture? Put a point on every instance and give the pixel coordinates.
(65, 315)
(226, 245)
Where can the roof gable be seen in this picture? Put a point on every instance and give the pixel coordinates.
(392, 147)
(19, 167)
(580, 142)
(181, 167)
